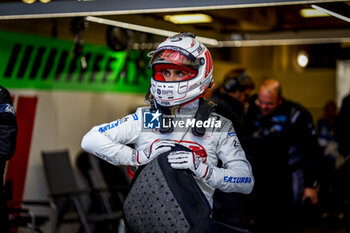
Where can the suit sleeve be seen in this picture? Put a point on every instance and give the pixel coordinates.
(109, 141)
(236, 173)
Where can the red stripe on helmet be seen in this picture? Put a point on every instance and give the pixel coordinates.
(209, 63)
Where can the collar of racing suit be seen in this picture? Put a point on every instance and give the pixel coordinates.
(179, 112)
(199, 110)
(186, 110)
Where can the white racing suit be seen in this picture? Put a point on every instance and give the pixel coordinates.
(109, 142)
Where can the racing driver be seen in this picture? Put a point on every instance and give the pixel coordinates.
(182, 70)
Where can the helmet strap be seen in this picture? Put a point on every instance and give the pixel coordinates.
(167, 117)
(205, 108)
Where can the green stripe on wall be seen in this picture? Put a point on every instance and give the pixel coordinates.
(35, 62)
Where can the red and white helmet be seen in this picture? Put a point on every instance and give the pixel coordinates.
(181, 51)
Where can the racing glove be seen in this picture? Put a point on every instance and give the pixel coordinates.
(188, 160)
(156, 148)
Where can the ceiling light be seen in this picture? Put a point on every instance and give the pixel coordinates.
(28, 1)
(188, 18)
(309, 12)
(45, 1)
(302, 59)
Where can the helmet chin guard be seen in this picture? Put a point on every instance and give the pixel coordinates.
(185, 51)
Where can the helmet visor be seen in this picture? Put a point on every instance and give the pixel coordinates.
(171, 72)
(174, 57)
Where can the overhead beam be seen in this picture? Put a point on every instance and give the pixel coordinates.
(338, 9)
(156, 31)
(247, 39)
(69, 8)
(288, 38)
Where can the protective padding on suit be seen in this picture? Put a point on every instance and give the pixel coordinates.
(163, 199)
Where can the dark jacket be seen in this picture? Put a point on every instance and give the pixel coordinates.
(229, 107)
(343, 127)
(281, 143)
(8, 125)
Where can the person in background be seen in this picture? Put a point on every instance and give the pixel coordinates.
(343, 139)
(8, 138)
(326, 130)
(280, 140)
(232, 96)
(328, 194)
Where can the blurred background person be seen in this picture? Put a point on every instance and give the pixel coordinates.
(231, 98)
(343, 139)
(330, 200)
(280, 140)
(326, 131)
(8, 138)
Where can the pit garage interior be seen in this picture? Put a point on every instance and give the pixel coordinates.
(264, 37)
